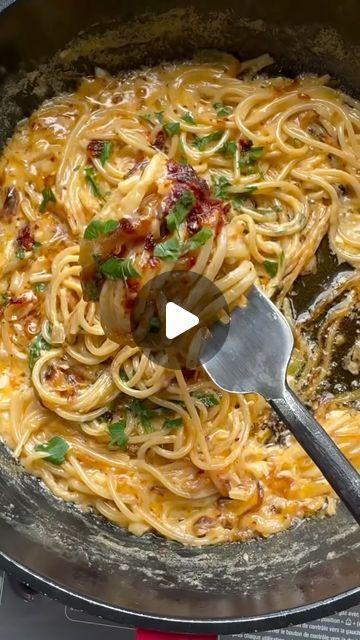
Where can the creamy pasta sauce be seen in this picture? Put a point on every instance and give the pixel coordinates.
(198, 166)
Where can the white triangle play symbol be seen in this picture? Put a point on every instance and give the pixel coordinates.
(178, 320)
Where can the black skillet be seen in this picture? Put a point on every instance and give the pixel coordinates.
(307, 572)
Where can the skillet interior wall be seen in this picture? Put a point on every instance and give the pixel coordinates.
(230, 580)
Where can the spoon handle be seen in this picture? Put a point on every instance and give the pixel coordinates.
(337, 470)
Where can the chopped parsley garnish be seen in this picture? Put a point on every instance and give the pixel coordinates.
(98, 228)
(123, 376)
(39, 287)
(239, 198)
(90, 177)
(271, 268)
(187, 117)
(180, 210)
(118, 269)
(56, 450)
(173, 423)
(106, 152)
(36, 246)
(219, 187)
(4, 299)
(20, 253)
(203, 142)
(208, 399)
(172, 128)
(91, 290)
(221, 110)
(198, 239)
(249, 158)
(154, 325)
(228, 149)
(105, 417)
(47, 196)
(118, 435)
(274, 209)
(148, 117)
(36, 348)
(172, 249)
(139, 409)
(159, 115)
(169, 250)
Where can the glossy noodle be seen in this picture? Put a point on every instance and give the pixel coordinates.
(257, 172)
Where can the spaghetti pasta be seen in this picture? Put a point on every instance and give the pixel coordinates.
(90, 177)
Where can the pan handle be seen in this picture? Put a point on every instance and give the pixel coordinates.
(147, 634)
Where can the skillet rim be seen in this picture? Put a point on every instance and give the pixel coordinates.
(224, 626)
(123, 616)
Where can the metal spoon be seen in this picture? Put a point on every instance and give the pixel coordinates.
(254, 358)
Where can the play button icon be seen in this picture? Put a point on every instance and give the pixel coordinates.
(178, 320)
(172, 316)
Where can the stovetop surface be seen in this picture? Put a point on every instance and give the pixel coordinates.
(25, 614)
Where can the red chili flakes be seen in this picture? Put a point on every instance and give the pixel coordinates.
(160, 140)
(184, 173)
(149, 243)
(25, 239)
(95, 148)
(11, 203)
(209, 212)
(245, 144)
(127, 227)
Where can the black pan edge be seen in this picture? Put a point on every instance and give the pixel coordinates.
(225, 626)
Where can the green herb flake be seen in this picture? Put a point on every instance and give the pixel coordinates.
(105, 417)
(154, 325)
(271, 268)
(228, 149)
(36, 348)
(90, 178)
(20, 253)
(173, 423)
(146, 117)
(159, 115)
(249, 158)
(47, 196)
(198, 239)
(118, 269)
(221, 110)
(170, 250)
(106, 152)
(118, 435)
(39, 287)
(201, 143)
(172, 128)
(238, 199)
(4, 299)
(180, 210)
(56, 450)
(139, 409)
(219, 187)
(208, 399)
(98, 228)
(123, 376)
(91, 290)
(36, 246)
(188, 118)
